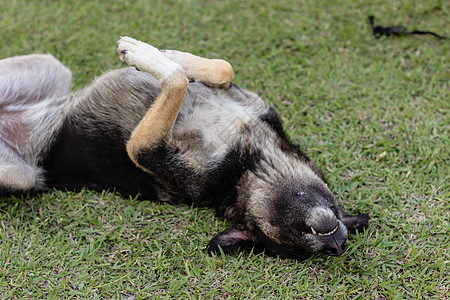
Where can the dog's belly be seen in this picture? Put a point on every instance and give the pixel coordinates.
(207, 140)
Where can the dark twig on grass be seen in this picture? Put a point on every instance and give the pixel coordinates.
(378, 31)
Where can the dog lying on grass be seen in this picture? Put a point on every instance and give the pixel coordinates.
(172, 127)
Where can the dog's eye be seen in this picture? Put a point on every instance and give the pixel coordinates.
(334, 210)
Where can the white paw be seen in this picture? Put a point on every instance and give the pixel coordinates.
(133, 51)
(145, 58)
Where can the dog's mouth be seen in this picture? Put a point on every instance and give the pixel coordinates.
(313, 231)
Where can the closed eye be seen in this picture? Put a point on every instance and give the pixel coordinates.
(334, 210)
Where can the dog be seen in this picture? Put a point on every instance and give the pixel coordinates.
(173, 127)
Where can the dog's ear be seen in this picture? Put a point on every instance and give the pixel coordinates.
(354, 223)
(232, 238)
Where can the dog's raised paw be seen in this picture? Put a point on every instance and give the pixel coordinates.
(145, 57)
(127, 46)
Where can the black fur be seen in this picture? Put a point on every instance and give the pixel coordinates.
(97, 160)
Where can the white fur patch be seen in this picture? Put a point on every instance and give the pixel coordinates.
(220, 121)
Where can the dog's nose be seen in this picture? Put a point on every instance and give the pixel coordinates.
(337, 248)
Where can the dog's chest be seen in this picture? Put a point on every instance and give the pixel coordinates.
(211, 139)
(210, 124)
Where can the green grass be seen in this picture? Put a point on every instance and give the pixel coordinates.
(374, 114)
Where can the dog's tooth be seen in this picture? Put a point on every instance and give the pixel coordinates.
(313, 231)
(329, 233)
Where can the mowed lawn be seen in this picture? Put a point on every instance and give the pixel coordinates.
(373, 114)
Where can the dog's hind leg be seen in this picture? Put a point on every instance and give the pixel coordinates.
(32, 93)
(211, 72)
(154, 132)
(31, 78)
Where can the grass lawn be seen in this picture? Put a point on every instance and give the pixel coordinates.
(373, 114)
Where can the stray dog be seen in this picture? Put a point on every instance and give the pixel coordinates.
(172, 127)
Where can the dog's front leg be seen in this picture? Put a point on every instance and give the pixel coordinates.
(154, 132)
(211, 72)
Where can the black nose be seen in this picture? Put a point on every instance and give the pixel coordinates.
(337, 248)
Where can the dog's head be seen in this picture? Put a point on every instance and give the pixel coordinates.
(292, 218)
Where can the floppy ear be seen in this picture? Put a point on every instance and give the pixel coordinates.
(230, 239)
(354, 223)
